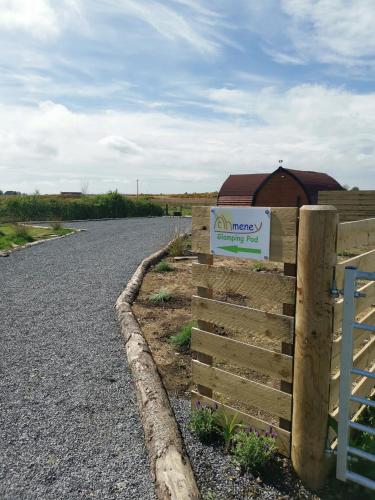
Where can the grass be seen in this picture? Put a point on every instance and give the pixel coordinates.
(179, 245)
(163, 267)
(111, 205)
(160, 297)
(12, 235)
(258, 266)
(181, 340)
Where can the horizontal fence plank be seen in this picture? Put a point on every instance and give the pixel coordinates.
(255, 358)
(356, 234)
(358, 339)
(274, 288)
(277, 327)
(239, 388)
(351, 205)
(283, 245)
(364, 262)
(362, 303)
(282, 436)
(363, 389)
(362, 360)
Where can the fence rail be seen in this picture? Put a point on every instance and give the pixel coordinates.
(356, 234)
(351, 205)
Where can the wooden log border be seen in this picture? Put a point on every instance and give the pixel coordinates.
(170, 465)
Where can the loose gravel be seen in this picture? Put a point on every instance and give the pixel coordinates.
(69, 420)
(219, 478)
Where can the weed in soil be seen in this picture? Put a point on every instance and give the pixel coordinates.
(182, 339)
(163, 267)
(160, 297)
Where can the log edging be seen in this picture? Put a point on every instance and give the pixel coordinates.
(170, 465)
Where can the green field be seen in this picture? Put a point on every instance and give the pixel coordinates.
(12, 235)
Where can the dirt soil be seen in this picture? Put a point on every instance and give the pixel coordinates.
(159, 322)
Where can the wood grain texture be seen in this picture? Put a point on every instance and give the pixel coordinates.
(356, 234)
(261, 360)
(257, 424)
(358, 339)
(205, 292)
(362, 303)
(363, 359)
(239, 388)
(351, 205)
(364, 262)
(283, 233)
(313, 339)
(243, 319)
(274, 288)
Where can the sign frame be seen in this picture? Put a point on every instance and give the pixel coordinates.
(240, 232)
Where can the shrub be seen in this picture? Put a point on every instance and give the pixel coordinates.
(160, 297)
(163, 267)
(111, 205)
(56, 225)
(204, 422)
(181, 340)
(228, 427)
(178, 245)
(252, 451)
(22, 233)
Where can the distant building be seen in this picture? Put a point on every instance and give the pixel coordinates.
(11, 193)
(71, 193)
(282, 188)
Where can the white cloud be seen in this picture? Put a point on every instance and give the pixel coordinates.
(340, 31)
(40, 18)
(311, 127)
(120, 144)
(171, 24)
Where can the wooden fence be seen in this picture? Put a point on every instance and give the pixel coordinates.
(357, 237)
(288, 336)
(351, 205)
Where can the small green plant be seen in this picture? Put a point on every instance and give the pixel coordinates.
(56, 225)
(22, 232)
(181, 340)
(229, 427)
(258, 266)
(252, 451)
(179, 244)
(204, 422)
(209, 495)
(163, 267)
(160, 297)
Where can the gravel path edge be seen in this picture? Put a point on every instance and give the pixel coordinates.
(170, 465)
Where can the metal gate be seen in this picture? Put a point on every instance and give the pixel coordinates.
(350, 327)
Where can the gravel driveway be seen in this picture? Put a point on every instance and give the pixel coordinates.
(69, 421)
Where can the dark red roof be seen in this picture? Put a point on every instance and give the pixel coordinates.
(313, 182)
(240, 189)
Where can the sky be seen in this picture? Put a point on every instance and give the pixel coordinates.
(181, 93)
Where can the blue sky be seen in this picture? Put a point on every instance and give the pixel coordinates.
(181, 93)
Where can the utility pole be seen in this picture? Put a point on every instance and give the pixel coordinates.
(137, 188)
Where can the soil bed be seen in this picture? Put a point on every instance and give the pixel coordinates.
(217, 476)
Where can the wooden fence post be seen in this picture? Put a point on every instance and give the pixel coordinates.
(313, 342)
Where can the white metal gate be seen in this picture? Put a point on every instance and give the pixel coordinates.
(350, 327)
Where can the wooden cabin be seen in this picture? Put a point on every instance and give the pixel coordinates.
(282, 188)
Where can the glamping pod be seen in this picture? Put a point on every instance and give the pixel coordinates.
(282, 188)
